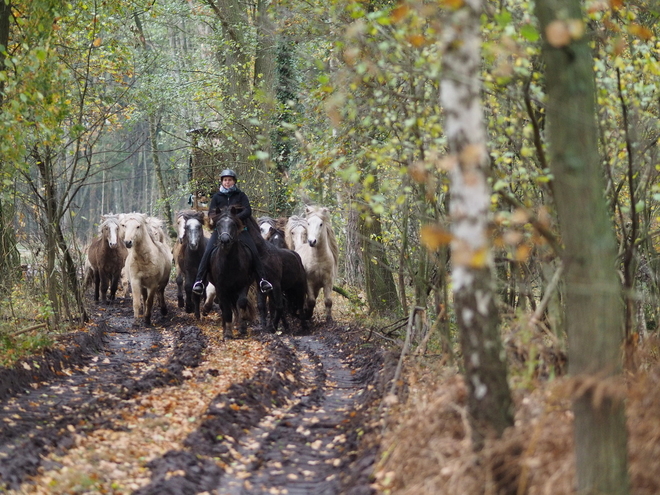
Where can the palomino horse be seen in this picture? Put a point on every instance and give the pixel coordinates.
(148, 264)
(314, 240)
(188, 252)
(105, 258)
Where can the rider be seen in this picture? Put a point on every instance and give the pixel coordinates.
(229, 195)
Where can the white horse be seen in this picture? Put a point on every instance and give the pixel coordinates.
(148, 264)
(314, 240)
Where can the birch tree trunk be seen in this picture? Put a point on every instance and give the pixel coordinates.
(490, 406)
(594, 311)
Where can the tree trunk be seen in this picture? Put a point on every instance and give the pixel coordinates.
(490, 406)
(594, 313)
(5, 14)
(164, 196)
(379, 280)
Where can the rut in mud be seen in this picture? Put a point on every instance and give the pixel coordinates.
(296, 426)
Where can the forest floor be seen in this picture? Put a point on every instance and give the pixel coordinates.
(175, 409)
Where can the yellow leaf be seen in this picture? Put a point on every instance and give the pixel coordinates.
(452, 4)
(97, 42)
(434, 236)
(479, 258)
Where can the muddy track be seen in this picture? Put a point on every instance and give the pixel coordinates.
(295, 427)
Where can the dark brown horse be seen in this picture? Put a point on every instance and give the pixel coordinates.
(188, 252)
(106, 256)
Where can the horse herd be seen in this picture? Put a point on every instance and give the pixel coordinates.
(299, 254)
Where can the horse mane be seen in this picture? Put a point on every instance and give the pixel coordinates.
(157, 229)
(324, 213)
(188, 214)
(107, 218)
(292, 223)
(270, 221)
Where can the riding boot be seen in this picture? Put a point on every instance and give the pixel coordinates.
(198, 286)
(264, 285)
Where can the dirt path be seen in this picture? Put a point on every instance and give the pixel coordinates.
(272, 414)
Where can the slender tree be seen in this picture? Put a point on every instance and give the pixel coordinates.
(593, 294)
(489, 404)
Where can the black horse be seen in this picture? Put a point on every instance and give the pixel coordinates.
(188, 252)
(232, 269)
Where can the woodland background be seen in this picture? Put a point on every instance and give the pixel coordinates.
(104, 104)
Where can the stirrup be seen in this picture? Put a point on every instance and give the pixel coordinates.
(265, 286)
(198, 288)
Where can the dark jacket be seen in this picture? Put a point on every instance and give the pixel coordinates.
(237, 197)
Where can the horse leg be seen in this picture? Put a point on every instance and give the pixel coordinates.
(114, 283)
(148, 307)
(161, 300)
(179, 291)
(227, 320)
(262, 305)
(242, 305)
(136, 303)
(104, 287)
(278, 308)
(97, 282)
(210, 297)
(327, 294)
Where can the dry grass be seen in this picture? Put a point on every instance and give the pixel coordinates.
(426, 447)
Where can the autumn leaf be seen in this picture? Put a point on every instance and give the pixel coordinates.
(399, 12)
(417, 40)
(641, 32)
(97, 42)
(434, 236)
(557, 34)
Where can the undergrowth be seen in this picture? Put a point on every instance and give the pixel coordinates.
(24, 323)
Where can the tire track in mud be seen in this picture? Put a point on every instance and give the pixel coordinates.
(69, 395)
(294, 428)
(303, 449)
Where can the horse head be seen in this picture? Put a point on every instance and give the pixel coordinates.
(190, 227)
(109, 229)
(266, 225)
(228, 226)
(134, 226)
(316, 224)
(296, 232)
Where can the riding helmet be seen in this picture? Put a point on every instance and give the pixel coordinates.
(228, 173)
